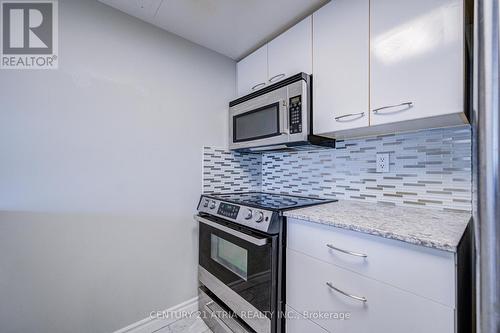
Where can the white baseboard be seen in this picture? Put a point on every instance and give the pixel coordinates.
(151, 324)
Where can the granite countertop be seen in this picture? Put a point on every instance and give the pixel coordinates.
(431, 228)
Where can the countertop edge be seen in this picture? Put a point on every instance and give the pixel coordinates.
(374, 232)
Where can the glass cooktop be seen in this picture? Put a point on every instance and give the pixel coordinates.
(269, 201)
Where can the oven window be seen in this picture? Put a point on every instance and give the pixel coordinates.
(257, 124)
(230, 256)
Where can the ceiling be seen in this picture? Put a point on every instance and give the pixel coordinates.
(231, 27)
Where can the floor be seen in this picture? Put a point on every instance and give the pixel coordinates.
(191, 324)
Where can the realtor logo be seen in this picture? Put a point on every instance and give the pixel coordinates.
(29, 34)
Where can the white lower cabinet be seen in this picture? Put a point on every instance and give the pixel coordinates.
(387, 309)
(419, 270)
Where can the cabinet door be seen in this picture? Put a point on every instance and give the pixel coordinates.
(252, 71)
(291, 52)
(416, 59)
(341, 66)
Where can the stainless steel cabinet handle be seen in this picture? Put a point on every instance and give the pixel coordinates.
(409, 104)
(362, 255)
(239, 234)
(277, 77)
(258, 85)
(357, 298)
(361, 114)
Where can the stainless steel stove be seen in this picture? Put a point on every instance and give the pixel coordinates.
(241, 259)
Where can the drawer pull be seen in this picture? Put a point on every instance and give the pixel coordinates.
(357, 298)
(408, 104)
(362, 255)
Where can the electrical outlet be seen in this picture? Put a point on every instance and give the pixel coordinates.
(383, 162)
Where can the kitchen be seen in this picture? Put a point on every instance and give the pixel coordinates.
(181, 166)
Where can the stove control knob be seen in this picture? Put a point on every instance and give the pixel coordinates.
(260, 217)
(212, 204)
(249, 214)
(205, 204)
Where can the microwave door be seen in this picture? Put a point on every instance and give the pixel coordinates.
(264, 125)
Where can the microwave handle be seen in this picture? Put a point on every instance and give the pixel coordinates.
(239, 234)
(285, 128)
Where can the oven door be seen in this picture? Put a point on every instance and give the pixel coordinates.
(240, 267)
(260, 124)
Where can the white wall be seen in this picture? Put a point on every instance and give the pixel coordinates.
(100, 173)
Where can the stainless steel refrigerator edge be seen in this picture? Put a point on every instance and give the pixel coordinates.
(486, 186)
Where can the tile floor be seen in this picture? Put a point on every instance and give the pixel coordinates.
(192, 324)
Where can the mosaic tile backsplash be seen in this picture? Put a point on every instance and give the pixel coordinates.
(226, 171)
(429, 169)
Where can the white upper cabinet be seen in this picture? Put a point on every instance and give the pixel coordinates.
(341, 66)
(291, 52)
(252, 71)
(379, 66)
(416, 59)
(284, 56)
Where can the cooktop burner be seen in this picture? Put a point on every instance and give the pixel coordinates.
(269, 200)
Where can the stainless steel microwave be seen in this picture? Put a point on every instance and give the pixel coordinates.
(276, 117)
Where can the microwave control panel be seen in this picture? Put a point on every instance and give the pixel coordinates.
(295, 112)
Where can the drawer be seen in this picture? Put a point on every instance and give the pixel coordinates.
(420, 270)
(295, 323)
(387, 309)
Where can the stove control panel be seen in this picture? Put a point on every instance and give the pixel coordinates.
(248, 216)
(228, 210)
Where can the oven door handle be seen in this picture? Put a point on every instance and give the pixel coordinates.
(245, 237)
